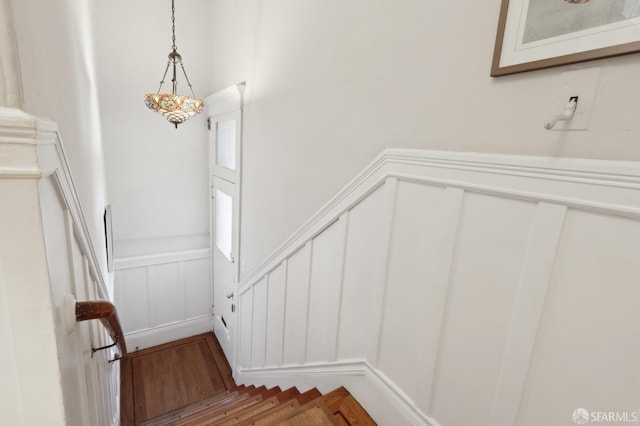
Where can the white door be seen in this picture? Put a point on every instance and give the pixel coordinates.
(225, 207)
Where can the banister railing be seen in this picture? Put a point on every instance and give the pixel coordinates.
(108, 316)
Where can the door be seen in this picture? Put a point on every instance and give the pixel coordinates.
(225, 208)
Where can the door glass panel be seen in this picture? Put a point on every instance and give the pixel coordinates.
(226, 144)
(223, 218)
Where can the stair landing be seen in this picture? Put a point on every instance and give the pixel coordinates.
(164, 378)
(189, 383)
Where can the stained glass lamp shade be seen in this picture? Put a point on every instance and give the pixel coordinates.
(175, 108)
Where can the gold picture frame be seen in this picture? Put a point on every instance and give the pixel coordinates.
(537, 34)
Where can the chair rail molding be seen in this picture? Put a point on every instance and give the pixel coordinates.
(433, 269)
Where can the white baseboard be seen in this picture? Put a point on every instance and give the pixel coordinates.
(384, 401)
(147, 338)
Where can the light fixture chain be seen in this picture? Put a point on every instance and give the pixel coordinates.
(173, 24)
(164, 76)
(175, 108)
(187, 78)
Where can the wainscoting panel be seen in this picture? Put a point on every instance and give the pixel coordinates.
(197, 287)
(457, 289)
(259, 335)
(587, 348)
(418, 239)
(246, 325)
(297, 304)
(164, 297)
(490, 250)
(326, 283)
(60, 244)
(532, 295)
(166, 294)
(363, 284)
(132, 289)
(275, 314)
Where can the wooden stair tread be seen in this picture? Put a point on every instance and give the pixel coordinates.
(209, 416)
(287, 395)
(218, 399)
(333, 398)
(256, 391)
(269, 416)
(286, 400)
(314, 413)
(259, 406)
(341, 420)
(345, 407)
(249, 412)
(271, 392)
(271, 399)
(308, 396)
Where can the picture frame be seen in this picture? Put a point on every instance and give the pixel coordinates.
(108, 236)
(537, 34)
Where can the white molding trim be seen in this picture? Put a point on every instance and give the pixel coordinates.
(160, 258)
(567, 169)
(398, 398)
(356, 367)
(19, 173)
(52, 160)
(225, 101)
(17, 127)
(149, 337)
(443, 168)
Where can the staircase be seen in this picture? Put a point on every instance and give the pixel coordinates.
(248, 405)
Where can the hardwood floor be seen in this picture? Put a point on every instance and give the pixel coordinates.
(158, 380)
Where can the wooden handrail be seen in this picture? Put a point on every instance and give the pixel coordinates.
(108, 316)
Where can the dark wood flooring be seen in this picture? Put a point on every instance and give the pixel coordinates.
(158, 380)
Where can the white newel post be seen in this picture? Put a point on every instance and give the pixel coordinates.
(31, 392)
(49, 374)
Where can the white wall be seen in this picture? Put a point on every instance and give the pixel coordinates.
(157, 175)
(329, 84)
(58, 76)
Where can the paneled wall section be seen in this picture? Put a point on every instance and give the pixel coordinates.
(90, 383)
(164, 297)
(485, 296)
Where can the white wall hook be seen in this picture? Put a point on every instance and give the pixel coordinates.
(569, 111)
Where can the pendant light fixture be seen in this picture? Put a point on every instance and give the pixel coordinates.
(175, 108)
